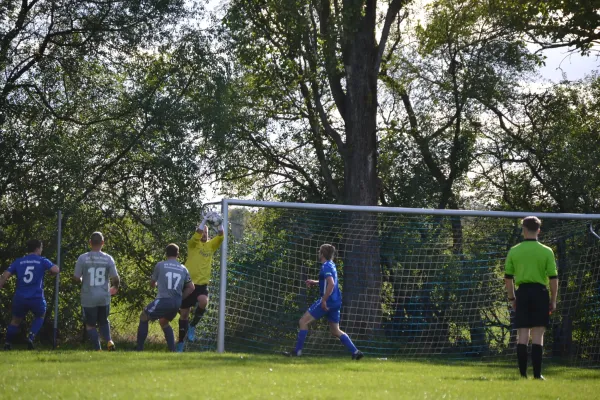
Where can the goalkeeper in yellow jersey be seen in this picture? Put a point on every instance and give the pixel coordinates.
(198, 263)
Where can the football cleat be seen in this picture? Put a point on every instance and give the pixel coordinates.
(110, 346)
(292, 353)
(358, 355)
(30, 345)
(179, 347)
(539, 378)
(191, 334)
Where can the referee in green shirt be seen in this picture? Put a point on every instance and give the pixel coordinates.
(531, 265)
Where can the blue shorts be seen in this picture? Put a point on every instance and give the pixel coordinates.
(163, 308)
(333, 314)
(21, 306)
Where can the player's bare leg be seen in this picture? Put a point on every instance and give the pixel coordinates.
(334, 329)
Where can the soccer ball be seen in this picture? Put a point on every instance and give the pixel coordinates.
(214, 219)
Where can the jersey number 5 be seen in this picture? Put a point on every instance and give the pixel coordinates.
(28, 274)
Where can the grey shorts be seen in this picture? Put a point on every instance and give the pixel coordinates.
(163, 308)
(93, 316)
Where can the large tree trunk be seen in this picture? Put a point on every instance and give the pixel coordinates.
(362, 272)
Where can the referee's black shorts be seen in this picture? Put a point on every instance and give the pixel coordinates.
(533, 303)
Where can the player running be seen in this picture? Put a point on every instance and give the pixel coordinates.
(96, 271)
(199, 262)
(173, 282)
(328, 305)
(29, 295)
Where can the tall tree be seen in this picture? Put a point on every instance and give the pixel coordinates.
(441, 85)
(327, 57)
(318, 62)
(553, 23)
(540, 152)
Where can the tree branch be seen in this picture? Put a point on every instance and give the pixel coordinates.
(333, 76)
(391, 15)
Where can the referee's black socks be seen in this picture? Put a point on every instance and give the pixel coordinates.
(522, 358)
(536, 360)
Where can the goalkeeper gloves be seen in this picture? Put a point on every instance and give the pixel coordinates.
(203, 223)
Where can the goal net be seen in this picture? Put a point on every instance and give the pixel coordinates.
(415, 283)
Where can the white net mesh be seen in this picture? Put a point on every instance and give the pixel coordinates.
(413, 285)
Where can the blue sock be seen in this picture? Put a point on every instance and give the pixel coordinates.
(345, 339)
(11, 332)
(142, 334)
(36, 325)
(105, 332)
(300, 341)
(93, 335)
(170, 337)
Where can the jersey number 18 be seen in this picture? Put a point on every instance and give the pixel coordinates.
(97, 276)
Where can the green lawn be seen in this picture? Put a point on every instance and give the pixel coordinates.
(130, 375)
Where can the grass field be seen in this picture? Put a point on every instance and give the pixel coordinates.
(149, 375)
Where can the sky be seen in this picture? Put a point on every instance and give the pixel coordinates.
(573, 66)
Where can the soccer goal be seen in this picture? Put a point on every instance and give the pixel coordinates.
(415, 282)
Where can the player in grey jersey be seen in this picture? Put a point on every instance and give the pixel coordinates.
(174, 283)
(96, 271)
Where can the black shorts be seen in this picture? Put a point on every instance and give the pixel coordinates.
(96, 315)
(533, 303)
(192, 299)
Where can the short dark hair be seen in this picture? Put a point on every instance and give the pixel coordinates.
(172, 250)
(327, 251)
(96, 238)
(33, 245)
(532, 224)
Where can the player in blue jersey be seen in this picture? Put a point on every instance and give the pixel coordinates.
(328, 305)
(174, 283)
(29, 295)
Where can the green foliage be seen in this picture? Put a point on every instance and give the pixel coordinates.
(545, 158)
(439, 88)
(553, 23)
(107, 123)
